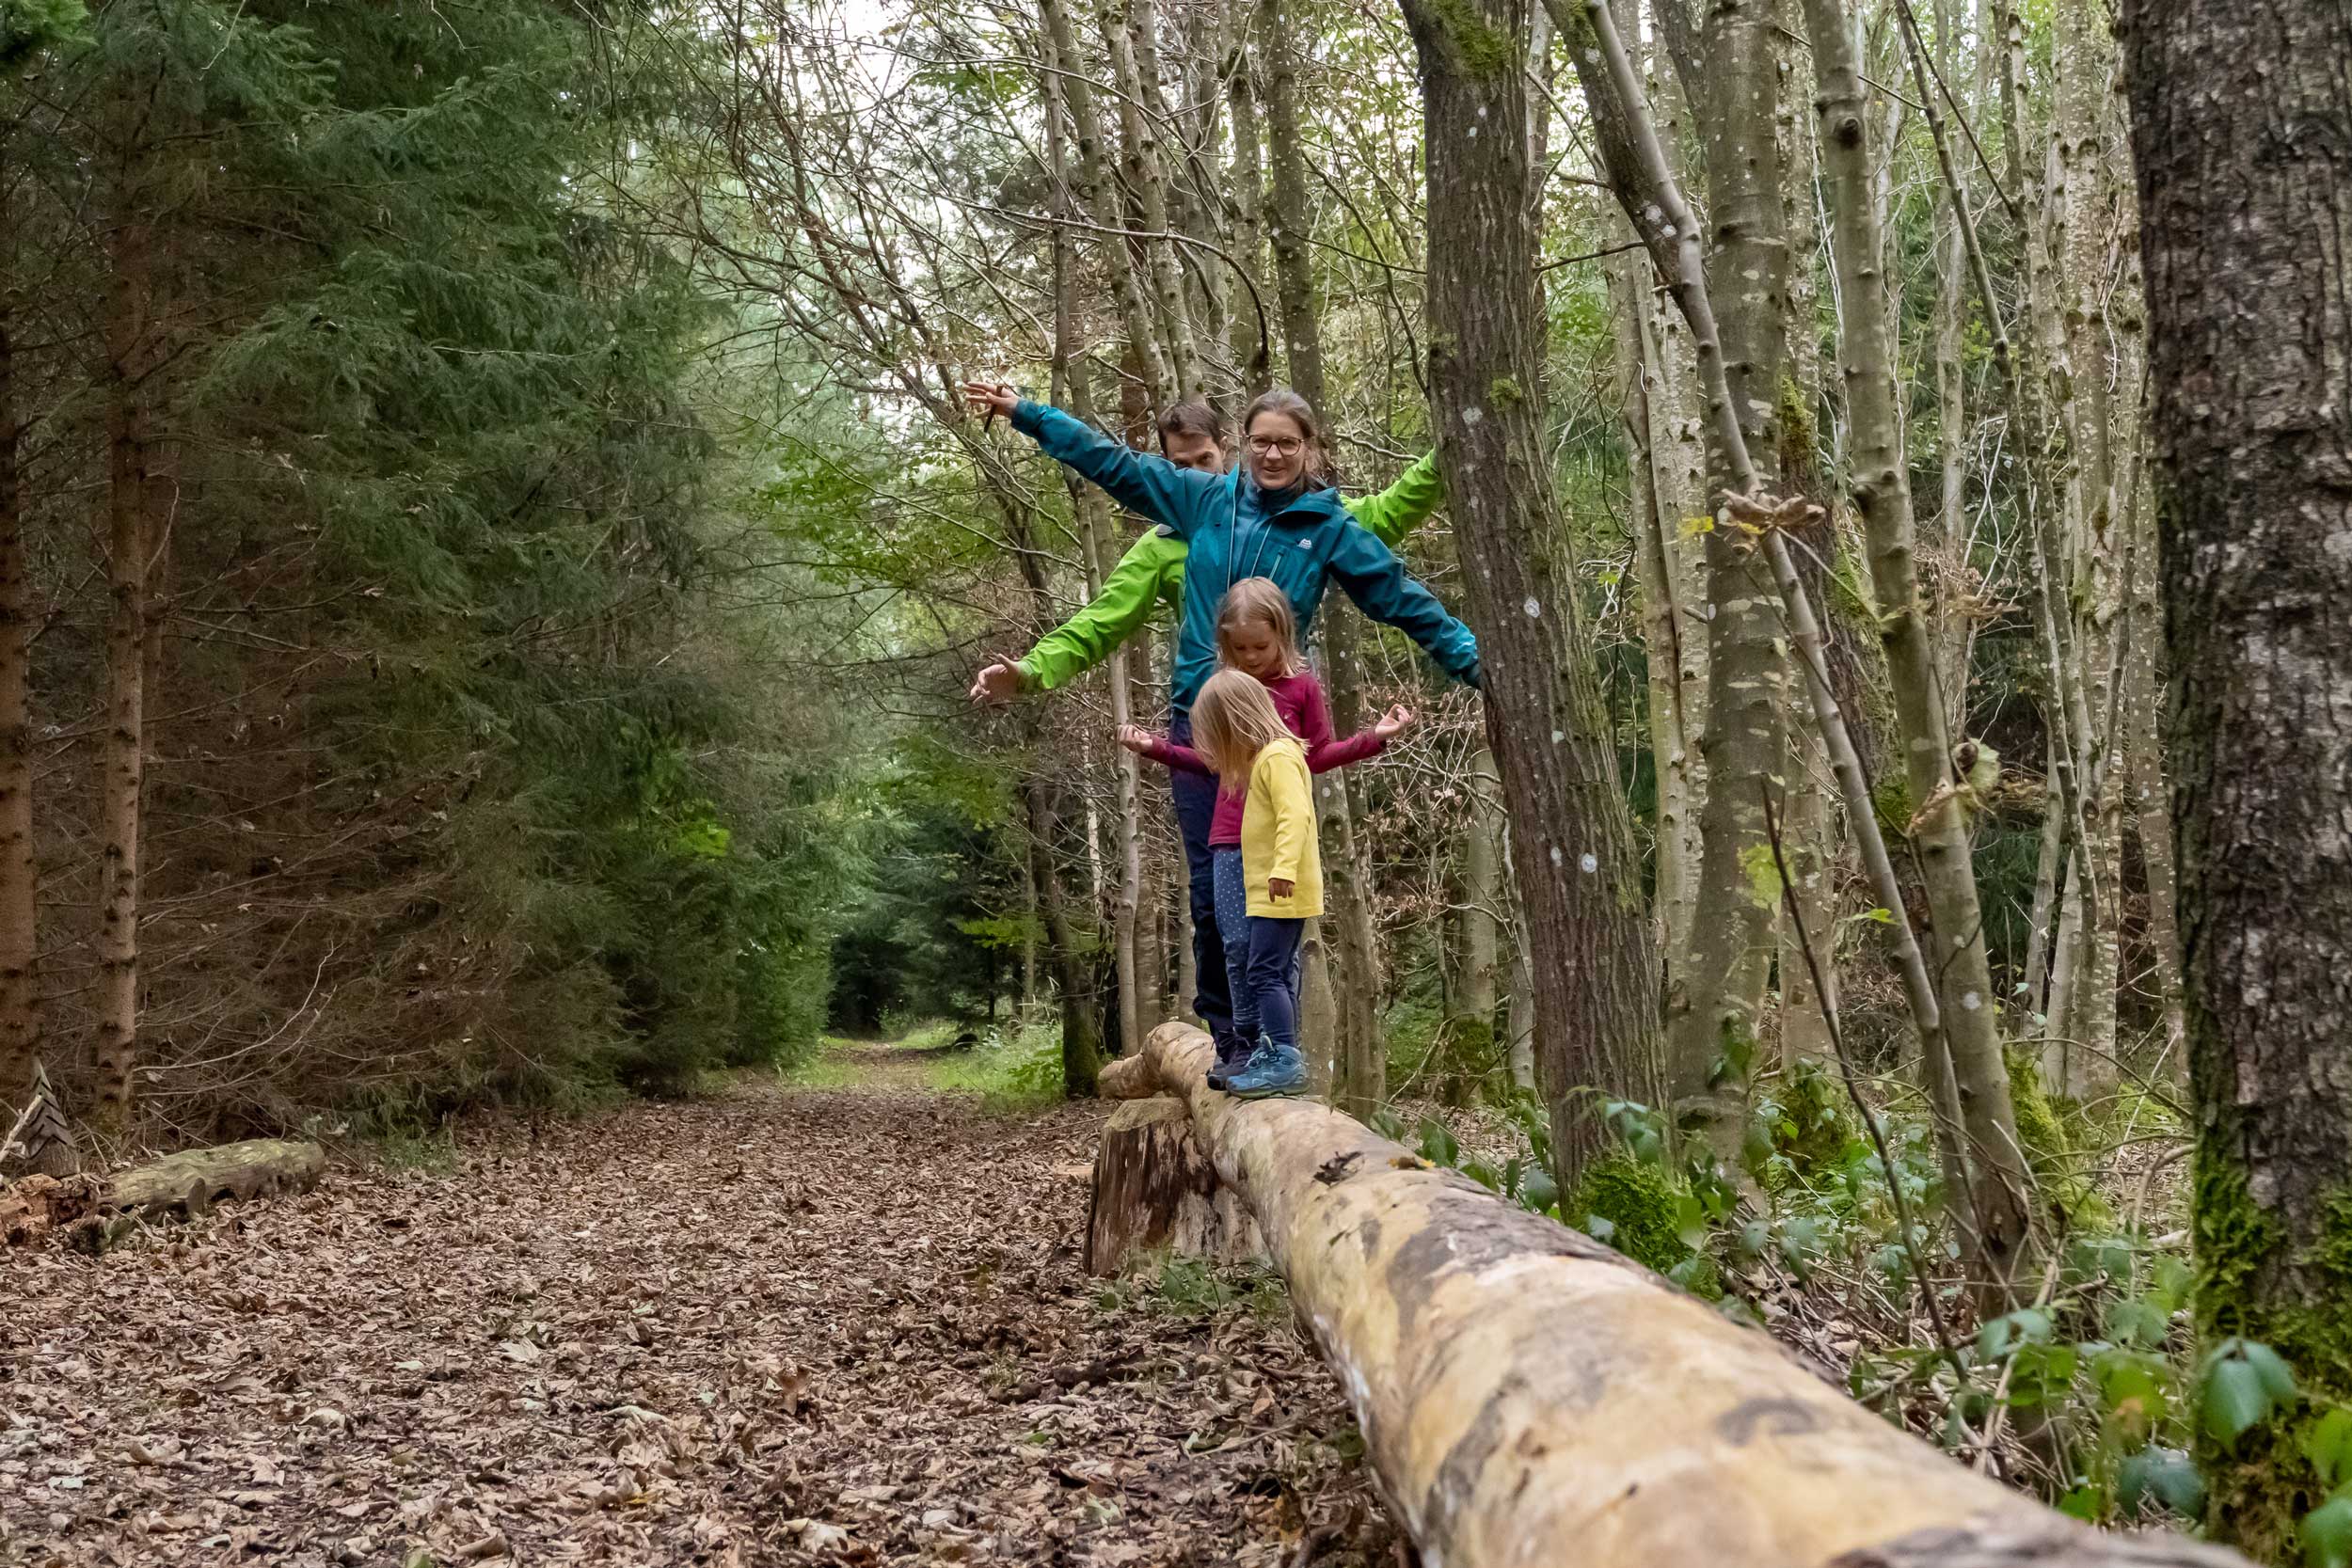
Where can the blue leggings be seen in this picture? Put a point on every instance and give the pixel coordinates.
(1260, 965)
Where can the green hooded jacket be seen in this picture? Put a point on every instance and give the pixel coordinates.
(1152, 573)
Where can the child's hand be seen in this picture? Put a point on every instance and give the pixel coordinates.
(1279, 888)
(1393, 722)
(991, 399)
(1137, 739)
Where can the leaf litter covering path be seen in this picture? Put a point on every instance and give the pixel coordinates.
(778, 1326)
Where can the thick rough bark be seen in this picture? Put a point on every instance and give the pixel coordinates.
(1528, 1396)
(1154, 1192)
(1996, 1213)
(20, 874)
(2245, 185)
(1572, 846)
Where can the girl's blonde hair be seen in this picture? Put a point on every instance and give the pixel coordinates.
(1232, 720)
(1258, 601)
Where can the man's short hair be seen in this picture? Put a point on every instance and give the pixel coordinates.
(1191, 417)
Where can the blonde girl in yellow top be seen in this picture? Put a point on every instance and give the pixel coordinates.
(1238, 731)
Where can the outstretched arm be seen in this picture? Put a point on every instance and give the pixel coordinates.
(1404, 506)
(1108, 619)
(1325, 751)
(1377, 581)
(1139, 481)
(1163, 751)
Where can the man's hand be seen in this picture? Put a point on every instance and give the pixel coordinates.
(998, 683)
(1136, 738)
(990, 400)
(1279, 888)
(1393, 722)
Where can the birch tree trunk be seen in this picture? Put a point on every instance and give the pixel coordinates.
(2236, 123)
(129, 327)
(1579, 874)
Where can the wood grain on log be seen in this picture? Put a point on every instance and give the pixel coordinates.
(1529, 1396)
(1154, 1190)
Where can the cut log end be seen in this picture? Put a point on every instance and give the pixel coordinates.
(1154, 1191)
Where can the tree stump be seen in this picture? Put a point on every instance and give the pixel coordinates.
(1156, 1191)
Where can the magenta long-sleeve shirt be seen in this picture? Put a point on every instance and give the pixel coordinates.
(1299, 700)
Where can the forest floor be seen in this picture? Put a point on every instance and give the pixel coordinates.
(779, 1325)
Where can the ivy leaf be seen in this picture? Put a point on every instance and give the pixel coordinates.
(2131, 1321)
(2166, 1476)
(2277, 1376)
(2234, 1399)
(1538, 1191)
(1599, 1228)
(2328, 1534)
(2327, 1444)
(1438, 1145)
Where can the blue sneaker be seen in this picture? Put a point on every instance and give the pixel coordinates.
(1275, 1070)
(1232, 1057)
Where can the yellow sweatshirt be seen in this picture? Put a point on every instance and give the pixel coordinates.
(1278, 833)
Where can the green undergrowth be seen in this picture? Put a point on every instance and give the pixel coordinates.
(1194, 1288)
(1013, 1073)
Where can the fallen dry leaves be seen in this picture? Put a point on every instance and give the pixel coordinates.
(842, 1326)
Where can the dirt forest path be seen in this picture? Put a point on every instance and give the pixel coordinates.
(777, 1325)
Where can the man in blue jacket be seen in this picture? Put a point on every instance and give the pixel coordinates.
(1269, 518)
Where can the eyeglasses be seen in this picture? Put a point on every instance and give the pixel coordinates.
(1289, 446)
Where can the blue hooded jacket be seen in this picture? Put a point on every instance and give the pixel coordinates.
(1302, 542)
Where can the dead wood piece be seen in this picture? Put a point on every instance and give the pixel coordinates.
(1097, 1370)
(1128, 1078)
(1154, 1191)
(193, 1181)
(1528, 1396)
(33, 1206)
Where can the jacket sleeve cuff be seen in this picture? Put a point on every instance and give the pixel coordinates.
(1028, 418)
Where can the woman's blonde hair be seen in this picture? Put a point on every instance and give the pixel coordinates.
(1258, 601)
(1232, 720)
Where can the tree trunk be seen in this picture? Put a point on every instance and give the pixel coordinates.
(1472, 1062)
(1156, 1192)
(20, 871)
(2237, 113)
(1579, 873)
(1529, 1396)
(1097, 194)
(129, 314)
(2151, 797)
(1081, 1023)
(1127, 36)
(1245, 205)
(1358, 1084)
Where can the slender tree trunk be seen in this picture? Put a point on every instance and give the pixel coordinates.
(1471, 1000)
(2047, 867)
(2237, 113)
(1348, 932)
(1127, 37)
(1572, 845)
(2151, 797)
(1998, 1210)
(1081, 1021)
(19, 872)
(1713, 1015)
(1097, 195)
(1246, 204)
(123, 752)
(1954, 621)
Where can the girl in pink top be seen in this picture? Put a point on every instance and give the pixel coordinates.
(1257, 633)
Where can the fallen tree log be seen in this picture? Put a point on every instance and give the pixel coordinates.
(191, 1181)
(1154, 1191)
(1529, 1396)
